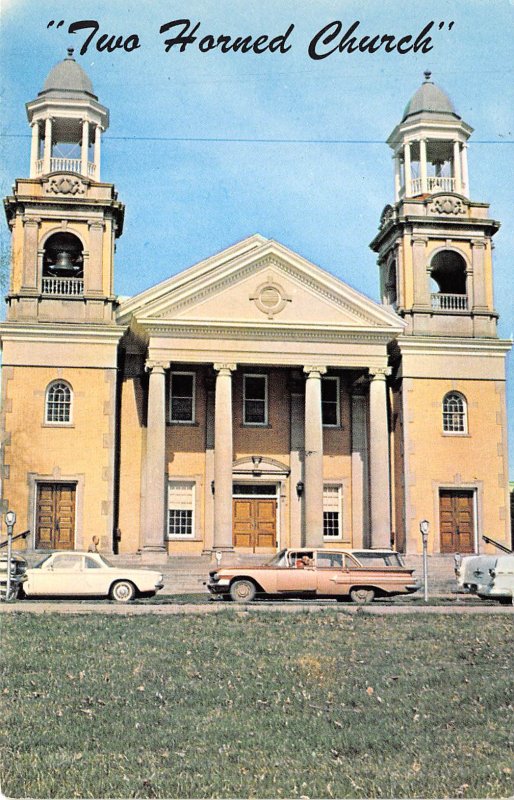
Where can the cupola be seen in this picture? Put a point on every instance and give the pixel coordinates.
(430, 145)
(67, 122)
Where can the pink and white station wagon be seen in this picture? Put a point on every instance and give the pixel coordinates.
(317, 573)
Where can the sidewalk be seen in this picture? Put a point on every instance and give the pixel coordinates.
(220, 607)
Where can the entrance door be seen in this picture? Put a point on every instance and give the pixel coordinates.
(55, 522)
(456, 521)
(254, 522)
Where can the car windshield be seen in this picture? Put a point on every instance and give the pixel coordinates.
(278, 560)
(104, 560)
(43, 561)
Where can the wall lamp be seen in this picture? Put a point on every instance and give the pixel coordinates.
(300, 486)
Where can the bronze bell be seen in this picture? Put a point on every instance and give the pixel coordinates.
(63, 262)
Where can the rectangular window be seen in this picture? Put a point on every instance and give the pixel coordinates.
(181, 509)
(255, 399)
(182, 397)
(330, 401)
(332, 517)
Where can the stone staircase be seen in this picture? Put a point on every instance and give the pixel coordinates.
(441, 575)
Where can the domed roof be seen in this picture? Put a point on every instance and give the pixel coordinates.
(68, 77)
(430, 99)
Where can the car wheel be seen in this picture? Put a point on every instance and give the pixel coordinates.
(122, 591)
(362, 596)
(242, 591)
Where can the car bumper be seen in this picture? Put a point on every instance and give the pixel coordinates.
(218, 587)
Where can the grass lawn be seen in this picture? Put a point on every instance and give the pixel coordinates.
(257, 705)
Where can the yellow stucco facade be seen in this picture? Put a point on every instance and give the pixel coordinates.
(253, 401)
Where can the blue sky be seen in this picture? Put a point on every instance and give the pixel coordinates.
(321, 198)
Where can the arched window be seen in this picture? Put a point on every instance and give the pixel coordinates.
(58, 403)
(455, 417)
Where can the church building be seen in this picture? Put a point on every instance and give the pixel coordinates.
(253, 401)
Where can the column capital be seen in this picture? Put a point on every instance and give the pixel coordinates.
(156, 366)
(379, 373)
(223, 368)
(479, 244)
(314, 371)
(96, 224)
(29, 222)
(419, 240)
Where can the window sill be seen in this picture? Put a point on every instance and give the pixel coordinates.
(57, 424)
(183, 538)
(255, 425)
(448, 434)
(178, 423)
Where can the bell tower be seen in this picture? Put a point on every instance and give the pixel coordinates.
(447, 389)
(64, 220)
(434, 246)
(60, 338)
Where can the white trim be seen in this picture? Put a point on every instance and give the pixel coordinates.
(339, 486)
(278, 486)
(38, 480)
(265, 421)
(193, 399)
(56, 423)
(191, 482)
(462, 414)
(476, 490)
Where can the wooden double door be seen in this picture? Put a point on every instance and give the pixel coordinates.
(55, 516)
(255, 522)
(456, 521)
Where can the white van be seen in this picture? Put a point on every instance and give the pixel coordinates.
(499, 584)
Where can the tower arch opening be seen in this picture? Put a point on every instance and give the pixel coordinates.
(448, 281)
(63, 265)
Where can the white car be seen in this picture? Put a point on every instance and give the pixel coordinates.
(499, 583)
(67, 574)
(472, 571)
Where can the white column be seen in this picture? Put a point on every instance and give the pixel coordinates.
(34, 149)
(313, 468)
(223, 456)
(47, 153)
(208, 540)
(423, 165)
(465, 174)
(85, 147)
(407, 169)
(478, 298)
(379, 459)
(456, 167)
(296, 461)
(97, 151)
(155, 461)
(397, 177)
(360, 472)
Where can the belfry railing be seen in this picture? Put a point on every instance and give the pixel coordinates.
(67, 287)
(449, 302)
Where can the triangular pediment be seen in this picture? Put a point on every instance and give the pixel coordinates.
(258, 282)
